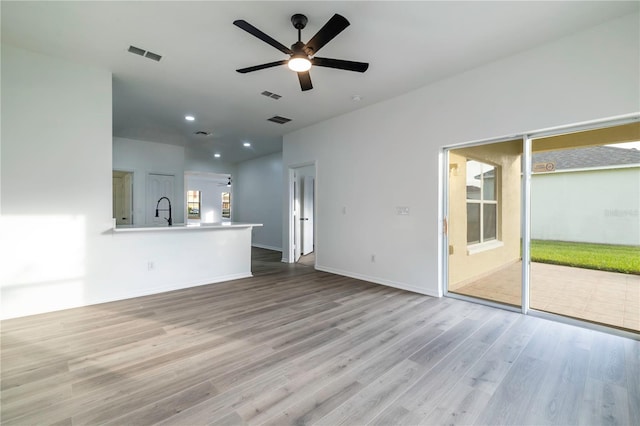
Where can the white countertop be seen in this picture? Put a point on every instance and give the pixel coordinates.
(183, 227)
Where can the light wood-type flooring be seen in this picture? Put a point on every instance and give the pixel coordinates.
(296, 346)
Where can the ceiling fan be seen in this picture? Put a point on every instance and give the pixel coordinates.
(302, 56)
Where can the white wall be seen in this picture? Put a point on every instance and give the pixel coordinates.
(196, 160)
(387, 154)
(56, 246)
(56, 180)
(594, 206)
(258, 198)
(211, 187)
(142, 158)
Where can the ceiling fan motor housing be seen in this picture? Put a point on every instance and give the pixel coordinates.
(299, 21)
(298, 49)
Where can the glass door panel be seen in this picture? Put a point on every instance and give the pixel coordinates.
(484, 232)
(585, 226)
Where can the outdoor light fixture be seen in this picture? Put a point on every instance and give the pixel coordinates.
(299, 63)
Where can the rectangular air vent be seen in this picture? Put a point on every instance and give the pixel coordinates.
(278, 119)
(145, 53)
(137, 50)
(153, 56)
(271, 95)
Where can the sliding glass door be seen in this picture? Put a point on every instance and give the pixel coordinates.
(573, 212)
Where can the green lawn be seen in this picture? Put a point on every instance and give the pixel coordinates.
(604, 257)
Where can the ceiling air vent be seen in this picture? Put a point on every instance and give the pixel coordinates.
(145, 53)
(278, 119)
(137, 50)
(153, 56)
(271, 95)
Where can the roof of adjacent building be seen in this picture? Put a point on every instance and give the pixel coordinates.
(593, 156)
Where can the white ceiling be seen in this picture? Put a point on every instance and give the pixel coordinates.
(408, 45)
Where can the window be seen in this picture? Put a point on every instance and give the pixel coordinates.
(482, 204)
(226, 205)
(193, 204)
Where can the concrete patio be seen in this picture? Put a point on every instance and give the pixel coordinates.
(598, 296)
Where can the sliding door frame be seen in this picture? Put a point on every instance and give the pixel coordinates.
(527, 141)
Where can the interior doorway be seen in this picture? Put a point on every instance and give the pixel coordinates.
(302, 214)
(123, 197)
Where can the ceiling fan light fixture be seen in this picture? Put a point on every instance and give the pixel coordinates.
(299, 63)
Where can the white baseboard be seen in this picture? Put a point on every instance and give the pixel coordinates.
(266, 247)
(285, 260)
(375, 280)
(180, 286)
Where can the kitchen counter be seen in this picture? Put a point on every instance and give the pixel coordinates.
(183, 227)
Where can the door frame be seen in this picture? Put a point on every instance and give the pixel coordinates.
(289, 222)
(527, 138)
(304, 210)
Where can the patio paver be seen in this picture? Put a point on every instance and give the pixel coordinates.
(599, 296)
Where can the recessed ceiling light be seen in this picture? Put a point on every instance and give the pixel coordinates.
(189, 117)
(216, 155)
(246, 144)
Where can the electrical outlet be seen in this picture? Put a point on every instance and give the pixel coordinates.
(402, 210)
(373, 258)
(151, 266)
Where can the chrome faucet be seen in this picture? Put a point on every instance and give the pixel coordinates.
(164, 210)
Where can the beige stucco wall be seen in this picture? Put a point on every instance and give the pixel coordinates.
(463, 267)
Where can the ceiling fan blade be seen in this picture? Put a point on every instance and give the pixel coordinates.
(332, 28)
(261, 67)
(241, 23)
(340, 64)
(305, 81)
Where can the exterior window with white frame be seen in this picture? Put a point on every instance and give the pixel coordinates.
(193, 204)
(482, 202)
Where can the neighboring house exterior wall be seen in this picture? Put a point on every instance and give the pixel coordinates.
(595, 206)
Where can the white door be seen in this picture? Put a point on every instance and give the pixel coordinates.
(159, 186)
(297, 237)
(307, 215)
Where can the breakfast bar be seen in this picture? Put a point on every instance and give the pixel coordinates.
(163, 258)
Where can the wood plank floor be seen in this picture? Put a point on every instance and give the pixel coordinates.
(296, 346)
